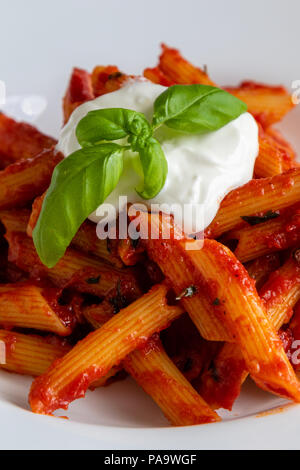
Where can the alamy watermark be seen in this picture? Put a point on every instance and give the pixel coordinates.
(128, 221)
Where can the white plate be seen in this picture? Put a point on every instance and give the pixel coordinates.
(40, 42)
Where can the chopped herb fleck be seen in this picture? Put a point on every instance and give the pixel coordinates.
(119, 301)
(93, 280)
(257, 219)
(115, 75)
(134, 243)
(108, 244)
(216, 302)
(188, 292)
(214, 373)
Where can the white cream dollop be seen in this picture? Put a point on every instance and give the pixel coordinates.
(202, 168)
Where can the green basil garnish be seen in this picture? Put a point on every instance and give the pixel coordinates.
(83, 181)
(196, 108)
(79, 184)
(111, 124)
(188, 292)
(155, 168)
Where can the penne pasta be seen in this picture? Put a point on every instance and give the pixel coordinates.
(261, 268)
(268, 104)
(22, 181)
(83, 272)
(238, 308)
(179, 70)
(27, 305)
(29, 354)
(277, 234)
(155, 372)
(33, 355)
(255, 197)
(156, 75)
(19, 140)
(79, 90)
(188, 319)
(221, 384)
(95, 355)
(85, 239)
(282, 142)
(107, 79)
(273, 157)
(282, 292)
(15, 220)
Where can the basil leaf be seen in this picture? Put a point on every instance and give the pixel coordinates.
(196, 108)
(155, 167)
(80, 183)
(111, 124)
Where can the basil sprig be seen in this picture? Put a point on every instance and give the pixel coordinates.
(79, 184)
(196, 108)
(111, 124)
(83, 181)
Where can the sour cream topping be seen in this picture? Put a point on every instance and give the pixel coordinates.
(202, 168)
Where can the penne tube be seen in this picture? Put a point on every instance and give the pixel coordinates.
(273, 159)
(155, 372)
(30, 354)
(282, 292)
(203, 316)
(221, 384)
(19, 140)
(280, 233)
(27, 305)
(106, 79)
(239, 308)
(69, 378)
(256, 197)
(15, 220)
(33, 355)
(268, 104)
(22, 181)
(86, 238)
(156, 75)
(282, 142)
(179, 70)
(261, 268)
(79, 90)
(83, 272)
(87, 241)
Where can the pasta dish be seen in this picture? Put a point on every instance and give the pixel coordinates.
(189, 315)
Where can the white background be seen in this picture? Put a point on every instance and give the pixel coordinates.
(40, 42)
